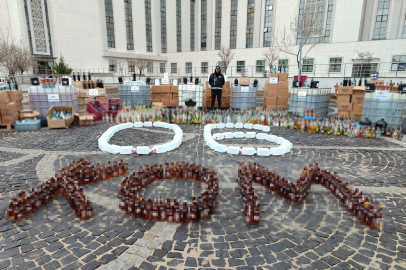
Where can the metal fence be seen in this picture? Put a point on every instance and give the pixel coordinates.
(341, 70)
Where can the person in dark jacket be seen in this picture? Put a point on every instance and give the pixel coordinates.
(216, 83)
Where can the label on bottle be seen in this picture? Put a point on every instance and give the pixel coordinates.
(245, 88)
(301, 94)
(93, 92)
(135, 89)
(53, 97)
(379, 94)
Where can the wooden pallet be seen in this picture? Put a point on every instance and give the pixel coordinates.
(8, 126)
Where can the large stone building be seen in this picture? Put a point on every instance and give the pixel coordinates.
(183, 36)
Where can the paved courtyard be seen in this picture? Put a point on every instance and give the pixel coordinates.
(318, 234)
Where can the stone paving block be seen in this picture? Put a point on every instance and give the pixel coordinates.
(144, 252)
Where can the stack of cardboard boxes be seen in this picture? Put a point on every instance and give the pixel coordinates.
(11, 102)
(276, 92)
(350, 101)
(167, 94)
(84, 98)
(225, 97)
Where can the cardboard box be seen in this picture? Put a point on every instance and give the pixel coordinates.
(0, 120)
(15, 95)
(165, 88)
(157, 104)
(9, 119)
(156, 100)
(226, 91)
(173, 102)
(358, 94)
(270, 100)
(345, 90)
(270, 107)
(225, 104)
(283, 77)
(357, 107)
(281, 107)
(283, 92)
(244, 81)
(345, 107)
(227, 85)
(154, 96)
(175, 96)
(274, 75)
(4, 99)
(358, 98)
(28, 114)
(343, 114)
(83, 120)
(356, 115)
(9, 108)
(165, 102)
(225, 98)
(343, 99)
(270, 86)
(156, 89)
(59, 123)
(271, 93)
(282, 101)
(165, 96)
(101, 99)
(19, 105)
(283, 85)
(174, 89)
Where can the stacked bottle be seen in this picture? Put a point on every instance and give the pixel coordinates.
(133, 202)
(66, 181)
(366, 210)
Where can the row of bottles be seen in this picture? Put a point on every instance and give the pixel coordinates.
(137, 205)
(366, 210)
(66, 181)
(84, 76)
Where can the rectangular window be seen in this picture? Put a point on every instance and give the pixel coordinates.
(250, 24)
(205, 67)
(335, 64)
(404, 28)
(363, 70)
(112, 65)
(398, 63)
(381, 20)
(233, 24)
(283, 65)
(108, 5)
(188, 68)
(129, 24)
(268, 23)
(240, 66)
(162, 67)
(148, 25)
(217, 35)
(260, 66)
(150, 67)
(174, 68)
(221, 64)
(131, 66)
(163, 26)
(307, 65)
(179, 25)
(203, 36)
(192, 26)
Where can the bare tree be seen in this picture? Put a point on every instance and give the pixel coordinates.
(141, 64)
(226, 56)
(23, 58)
(120, 66)
(313, 33)
(365, 57)
(271, 57)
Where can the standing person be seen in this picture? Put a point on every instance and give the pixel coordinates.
(216, 83)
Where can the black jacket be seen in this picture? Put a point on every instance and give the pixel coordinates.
(217, 81)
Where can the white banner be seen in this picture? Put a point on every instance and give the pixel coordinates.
(301, 95)
(245, 88)
(93, 92)
(191, 87)
(379, 94)
(273, 80)
(53, 97)
(165, 81)
(135, 89)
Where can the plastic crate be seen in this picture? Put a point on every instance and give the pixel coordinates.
(38, 97)
(98, 116)
(196, 95)
(21, 126)
(139, 97)
(241, 99)
(316, 99)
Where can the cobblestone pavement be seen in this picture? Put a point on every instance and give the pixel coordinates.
(318, 234)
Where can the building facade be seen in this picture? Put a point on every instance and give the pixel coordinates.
(183, 37)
